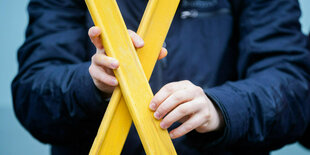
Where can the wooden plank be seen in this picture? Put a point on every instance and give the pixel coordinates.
(116, 123)
(114, 127)
(130, 74)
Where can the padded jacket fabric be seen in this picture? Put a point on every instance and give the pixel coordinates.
(249, 56)
(305, 139)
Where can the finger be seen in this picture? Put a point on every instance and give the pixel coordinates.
(204, 128)
(103, 87)
(101, 76)
(186, 127)
(166, 91)
(172, 101)
(101, 51)
(185, 118)
(105, 61)
(183, 110)
(212, 120)
(94, 35)
(109, 71)
(163, 53)
(136, 39)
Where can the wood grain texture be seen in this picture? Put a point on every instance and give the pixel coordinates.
(116, 123)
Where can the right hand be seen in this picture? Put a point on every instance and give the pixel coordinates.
(101, 68)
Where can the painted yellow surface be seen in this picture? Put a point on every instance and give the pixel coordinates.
(114, 127)
(116, 123)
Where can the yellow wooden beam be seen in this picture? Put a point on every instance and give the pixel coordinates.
(114, 127)
(132, 80)
(116, 123)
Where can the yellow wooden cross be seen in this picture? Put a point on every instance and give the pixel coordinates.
(132, 76)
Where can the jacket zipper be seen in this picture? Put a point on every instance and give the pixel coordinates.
(195, 14)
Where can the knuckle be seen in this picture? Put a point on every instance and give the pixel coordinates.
(199, 103)
(201, 90)
(104, 79)
(187, 82)
(177, 98)
(95, 58)
(90, 70)
(188, 127)
(170, 87)
(183, 109)
(161, 110)
(197, 89)
(205, 125)
(89, 31)
(207, 116)
(155, 100)
(203, 128)
(167, 120)
(177, 132)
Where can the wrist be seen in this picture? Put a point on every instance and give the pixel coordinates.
(221, 122)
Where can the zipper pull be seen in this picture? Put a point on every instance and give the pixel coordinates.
(189, 14)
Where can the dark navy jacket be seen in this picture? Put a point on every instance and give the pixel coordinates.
(249, 56)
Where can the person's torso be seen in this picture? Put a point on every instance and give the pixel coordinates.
(202, 49)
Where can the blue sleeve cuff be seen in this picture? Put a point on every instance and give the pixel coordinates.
(234, 113)
(233, 117)
(87, 95)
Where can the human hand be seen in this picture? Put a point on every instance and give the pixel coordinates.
(187, 103)
(101, 68)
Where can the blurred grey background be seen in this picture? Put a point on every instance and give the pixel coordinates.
(14, 139)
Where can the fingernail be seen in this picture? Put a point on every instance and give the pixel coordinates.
(94, 32)
(163, 125)
(153, 106)
(114, 64)
(156, 115)
(97, 29)
(115, 82)
(140, 42)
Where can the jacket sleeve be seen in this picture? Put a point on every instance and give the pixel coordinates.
(268, 106)
(305, 139)
(53, 93)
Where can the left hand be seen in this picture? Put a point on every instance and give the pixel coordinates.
(102, 66)
(187, 103)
